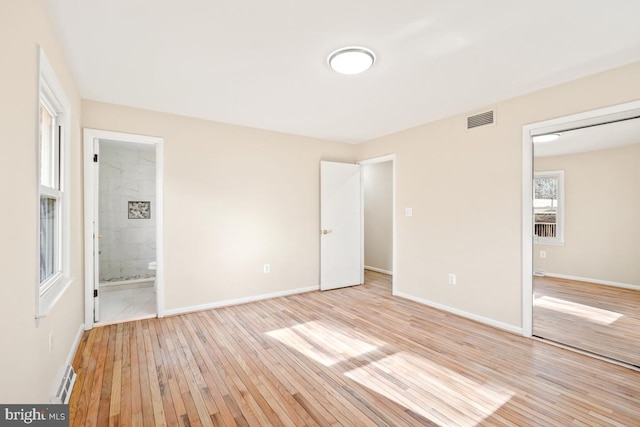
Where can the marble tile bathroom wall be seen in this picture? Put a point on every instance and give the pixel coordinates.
(127, 245)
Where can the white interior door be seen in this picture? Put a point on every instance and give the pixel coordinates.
(340, 225)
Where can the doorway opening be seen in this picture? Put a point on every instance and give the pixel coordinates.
(123, 227)
(342, 224)
(581, 281)
(378, 189)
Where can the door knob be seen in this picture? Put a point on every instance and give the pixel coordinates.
(100, 236)
(326, 231)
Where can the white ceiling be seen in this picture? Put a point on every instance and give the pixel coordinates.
(592, 138)
(263, 63)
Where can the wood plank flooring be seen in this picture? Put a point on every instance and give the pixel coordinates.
(347, 357)
(602, 319)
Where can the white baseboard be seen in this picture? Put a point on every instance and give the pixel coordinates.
(75, 344)
(475, 317)
(596, 281)
(379, 270)
(209, 306)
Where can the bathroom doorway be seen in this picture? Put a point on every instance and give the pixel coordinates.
(123, 192)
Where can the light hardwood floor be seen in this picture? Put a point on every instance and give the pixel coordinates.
(601, 319)
(354, 356)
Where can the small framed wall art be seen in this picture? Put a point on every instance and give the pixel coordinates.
(139, 210)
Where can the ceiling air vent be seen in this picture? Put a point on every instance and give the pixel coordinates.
(481, 119)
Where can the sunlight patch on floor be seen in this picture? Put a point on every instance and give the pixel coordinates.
(427, 388)
(593, 314)
(446, 396)
(321, 343)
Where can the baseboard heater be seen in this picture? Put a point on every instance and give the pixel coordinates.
(63, 392)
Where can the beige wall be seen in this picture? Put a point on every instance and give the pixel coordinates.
(378, 215)
(27, 369)
(235, 198)
(602, 216)
(465, 188)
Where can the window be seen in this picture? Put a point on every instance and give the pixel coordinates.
(548, 207)
(53, 225)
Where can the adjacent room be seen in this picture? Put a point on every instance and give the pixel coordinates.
(343, 213)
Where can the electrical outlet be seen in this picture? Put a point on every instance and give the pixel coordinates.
(267, 268)
(452, 279)
(543, 254)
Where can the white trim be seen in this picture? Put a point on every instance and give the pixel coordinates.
(159, 281)
(53, 86)
(226, 303)
(485, 320)
(89, 217)
(379, 270)
(52, 93)
(90, 135)
(596, 281)
(386, 158)
(74, 345)
(375, 160)
(601, 115)
(527, 233)
(361, 224)
(50, 297)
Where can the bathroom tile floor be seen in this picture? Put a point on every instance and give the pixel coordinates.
(127, 304)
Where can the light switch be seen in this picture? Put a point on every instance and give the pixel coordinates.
(408, 211)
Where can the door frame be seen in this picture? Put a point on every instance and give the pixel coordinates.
(90, 203)
(381, 159)
(573, 121)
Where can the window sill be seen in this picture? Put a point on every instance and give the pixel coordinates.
(51, 295)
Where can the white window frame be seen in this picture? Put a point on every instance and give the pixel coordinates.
(559, 238)
(53, 97)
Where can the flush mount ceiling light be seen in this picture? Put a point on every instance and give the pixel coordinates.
(351, 60)
(546, 138)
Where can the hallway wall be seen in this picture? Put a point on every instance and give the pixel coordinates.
(378, 215)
